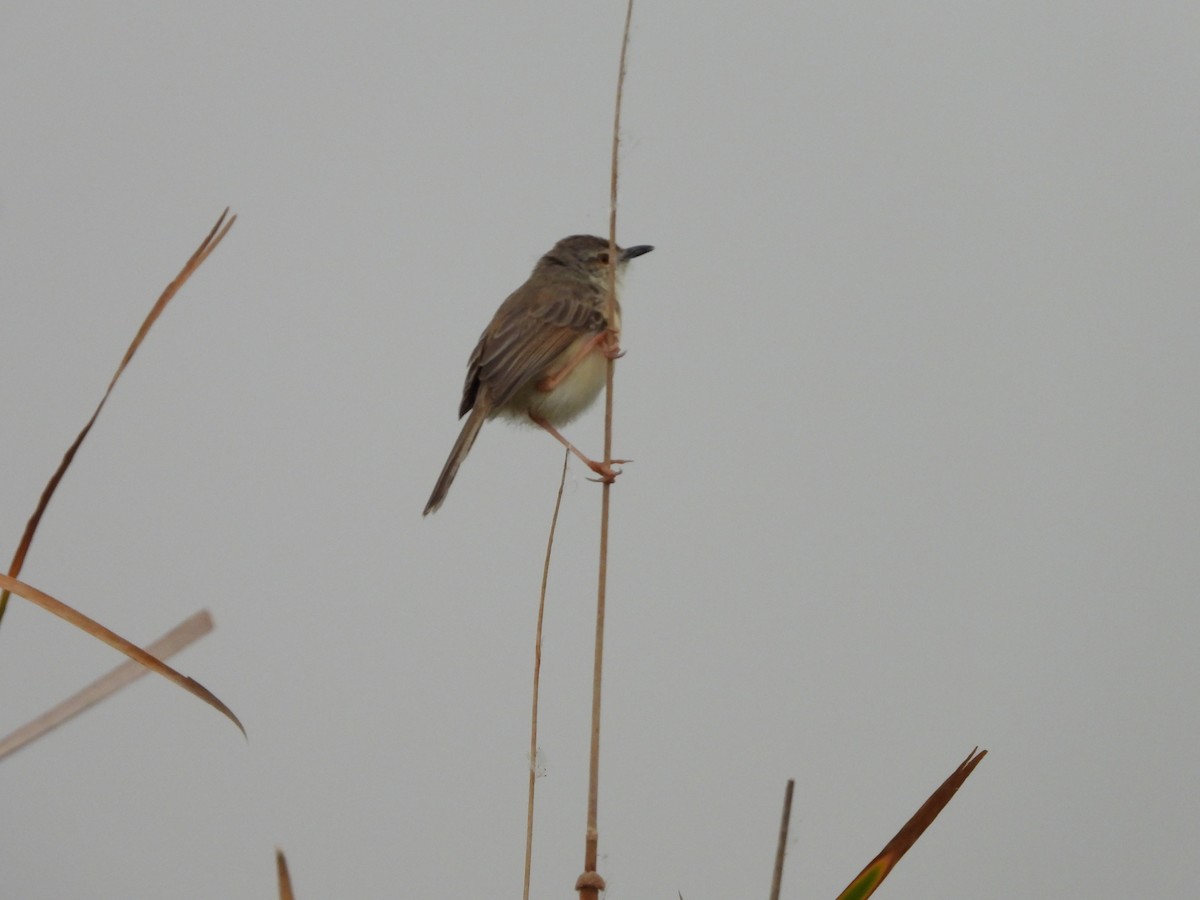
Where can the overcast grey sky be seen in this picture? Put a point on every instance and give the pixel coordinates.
(911, 390)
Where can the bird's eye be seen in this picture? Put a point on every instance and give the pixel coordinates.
(602, 258)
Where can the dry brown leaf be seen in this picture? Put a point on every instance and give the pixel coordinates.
(210, 243)
(873, 873)
(133, 651)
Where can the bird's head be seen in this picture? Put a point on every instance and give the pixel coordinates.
(588, 255)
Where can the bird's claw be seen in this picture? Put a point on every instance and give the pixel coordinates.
(606, 471)
(611, 346)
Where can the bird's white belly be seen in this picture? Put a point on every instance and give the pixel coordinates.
(570, 397)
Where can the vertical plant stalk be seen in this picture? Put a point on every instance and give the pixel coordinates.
(537, 676)
(589, 884)
(781, 850)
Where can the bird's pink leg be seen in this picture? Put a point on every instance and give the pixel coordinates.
(605, 470)
(611, 349)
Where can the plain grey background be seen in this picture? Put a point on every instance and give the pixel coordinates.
(911, 390)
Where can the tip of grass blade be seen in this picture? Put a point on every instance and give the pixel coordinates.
(114, 640)
(215, 236)
(285, 879)
(873, 873)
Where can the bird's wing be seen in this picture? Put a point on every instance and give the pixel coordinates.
(527, 335)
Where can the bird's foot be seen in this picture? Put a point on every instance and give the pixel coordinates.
(605, 470)
(611, 347)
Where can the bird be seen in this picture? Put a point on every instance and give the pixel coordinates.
(544, 356)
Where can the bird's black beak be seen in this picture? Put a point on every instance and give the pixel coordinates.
(630, 252)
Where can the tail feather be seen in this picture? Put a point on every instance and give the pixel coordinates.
(462, 447)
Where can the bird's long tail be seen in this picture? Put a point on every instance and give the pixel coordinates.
(462, 447)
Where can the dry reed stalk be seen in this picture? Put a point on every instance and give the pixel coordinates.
(781, 850)
(589, 883)
(537, 676)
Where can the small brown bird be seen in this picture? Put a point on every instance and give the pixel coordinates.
(544, 355)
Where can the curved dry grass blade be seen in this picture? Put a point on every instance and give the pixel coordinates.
(133, 651)
(166, 646)
(210, 243)
(877, 869)
(285, 880)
